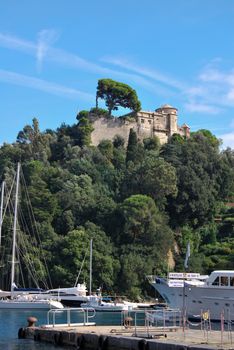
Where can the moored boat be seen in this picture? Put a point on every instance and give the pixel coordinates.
(72, 296)
(15, 299)
(197, 293)
(27, 301)
(96, 302)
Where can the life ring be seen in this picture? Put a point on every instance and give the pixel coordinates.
(21, 333)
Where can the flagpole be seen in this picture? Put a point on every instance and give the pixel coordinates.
(186, 266)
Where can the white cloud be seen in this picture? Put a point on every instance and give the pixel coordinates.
(232, 123)
(12, 42)
(211, 92)
(44, 52)
(210, 95)
(201, 108)
(212, 75)
(228, 140)
(39, 84)
(45, 39)
(230, 95)
(149, 73)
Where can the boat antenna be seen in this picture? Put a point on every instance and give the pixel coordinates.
(90, 265)
(14, 230)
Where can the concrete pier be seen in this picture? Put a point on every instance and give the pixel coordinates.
(120, 338)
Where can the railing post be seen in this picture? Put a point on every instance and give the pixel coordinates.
(69, 317)
(48, 317)
(135, 322)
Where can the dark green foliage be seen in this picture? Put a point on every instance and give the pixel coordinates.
(118, 141)
(100, 112)
(142, 222)
(85, 129)
(152, 143)
(152, 176)
(117, 94)
(132, 147)
(127, 199)
(200, 172)
(106, 148)
(74, 247)
(82, 114)
(209, 136)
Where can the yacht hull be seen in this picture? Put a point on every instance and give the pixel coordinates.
(28, 305)
(198, 299)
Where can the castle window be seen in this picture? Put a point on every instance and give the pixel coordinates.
(149, 121)
(142, 120)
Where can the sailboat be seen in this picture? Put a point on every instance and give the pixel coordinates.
(22, 301)
(95, 300)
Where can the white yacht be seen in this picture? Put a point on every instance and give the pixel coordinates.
(28, 301)
(96, 302)
(198, 293)
(72, 297)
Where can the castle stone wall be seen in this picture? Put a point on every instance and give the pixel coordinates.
(108, 128)
(161, 123)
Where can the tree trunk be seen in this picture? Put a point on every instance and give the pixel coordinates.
(96, 101)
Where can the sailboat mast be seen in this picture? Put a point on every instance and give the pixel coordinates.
(14, 229)
(1, 211)
(90, 267)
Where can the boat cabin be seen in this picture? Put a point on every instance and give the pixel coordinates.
(221, 279)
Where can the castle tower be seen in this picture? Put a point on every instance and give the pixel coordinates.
(185, 130)
(170, 114)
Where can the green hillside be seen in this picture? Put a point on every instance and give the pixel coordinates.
(138, 202)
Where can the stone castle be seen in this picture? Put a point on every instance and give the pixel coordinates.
(161, 123)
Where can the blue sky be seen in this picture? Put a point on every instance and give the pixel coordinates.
(180, 52)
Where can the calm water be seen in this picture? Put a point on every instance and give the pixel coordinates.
(11, 321)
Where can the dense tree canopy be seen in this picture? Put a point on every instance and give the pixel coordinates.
(117, 94)
(137, 201)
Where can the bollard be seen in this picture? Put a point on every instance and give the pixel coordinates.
(128, 322)
(31, 321)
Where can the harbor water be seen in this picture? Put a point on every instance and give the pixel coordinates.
(12, 320)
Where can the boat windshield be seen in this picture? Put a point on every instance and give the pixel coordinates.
(223, 281)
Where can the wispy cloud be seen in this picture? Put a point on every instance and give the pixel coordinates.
(200, 97)
(16, 43)
(219, 84)
(228, 140)
(45, 39)
(43, 51)
(150, 73)
(232, 124)
(210, 92)
(39, 84)
(201, 108)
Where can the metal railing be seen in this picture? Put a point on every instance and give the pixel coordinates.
(150, 321)
(88, 313)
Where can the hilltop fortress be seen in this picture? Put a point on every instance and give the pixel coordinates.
(161, 123)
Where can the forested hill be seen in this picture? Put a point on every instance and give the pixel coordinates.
(141, 203)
